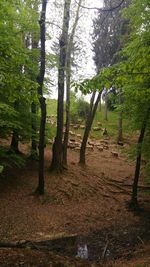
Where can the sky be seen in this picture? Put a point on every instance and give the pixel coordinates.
(86, 64)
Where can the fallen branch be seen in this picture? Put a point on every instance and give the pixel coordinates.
(105, 250)
(50, 245)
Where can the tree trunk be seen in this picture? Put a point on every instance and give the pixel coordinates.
(14, 142)
(35, 42)
(57, 155)
(66, 135)
(106, 108)
(40, 189)
(134, 202)
(68, 78)
(40, 79)
(120, 135)
(34, 130)
(14, 146)
(100, 105)
(90, 118)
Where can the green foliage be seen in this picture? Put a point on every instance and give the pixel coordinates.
(82, 108)
(18, 70)
(132, 74)
(96, 83)
(79, 108)
(51, 105)
(106, 34)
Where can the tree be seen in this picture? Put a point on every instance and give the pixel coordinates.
(16, 20)
(90, 86)
(137, 65)
(68, 80)
(132, 75)
(120, 133)
(89, 121)
(108, 28)
(134, 202)
(57, 163)
(40, 79)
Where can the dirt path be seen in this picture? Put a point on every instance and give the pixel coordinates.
(81, 201)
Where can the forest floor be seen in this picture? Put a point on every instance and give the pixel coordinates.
(85, 205)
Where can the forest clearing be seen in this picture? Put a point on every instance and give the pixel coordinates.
(75, 133)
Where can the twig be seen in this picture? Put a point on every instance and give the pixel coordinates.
(102, 9)
(141, 240)
(105, 250)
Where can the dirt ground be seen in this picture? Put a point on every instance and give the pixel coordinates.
(89, 203)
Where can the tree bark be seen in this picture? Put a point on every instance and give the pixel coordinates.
(100, 105)
(57, 155)
(106, 108)
(40, 79)
(14, 146)
(34, 106)
(120, 134)
(34, 131)
(14, 142)
(68, 78)
(66, 135)
(134, 202)
(90, 118)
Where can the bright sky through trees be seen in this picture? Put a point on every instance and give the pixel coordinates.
(83, 37)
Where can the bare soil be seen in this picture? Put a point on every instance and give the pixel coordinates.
(89, 203)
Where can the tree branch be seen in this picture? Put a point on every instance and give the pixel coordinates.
(102, 9)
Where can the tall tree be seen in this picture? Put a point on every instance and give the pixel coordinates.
(108, 28)
(40, 79)
(120, 132)
(57, 155)
(89, 121)
(16, 20)
(134, 202)
(86, 87)
(136, 69)
(132, 75)
(68, 80)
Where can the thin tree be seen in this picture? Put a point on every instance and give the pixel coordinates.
(134, 202)
(68, 78)
(120, 120)
(40, 79)
(34, 111)
(57, 152)
(106, 106)
(89, 121)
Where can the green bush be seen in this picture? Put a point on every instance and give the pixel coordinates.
(79, 109)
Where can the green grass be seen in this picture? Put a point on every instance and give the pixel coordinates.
(51, 105)
(111, 124)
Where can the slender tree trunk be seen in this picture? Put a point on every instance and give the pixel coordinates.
(34, 131)
(91, 115)
(134, 202)
(68, 78)
(100, 105)
(106, 108)
(14, 146)
(40, 189)
(66, 135)
(57, 154)
(14, 142)
(34, 106)
(40, 79)
(120, 134)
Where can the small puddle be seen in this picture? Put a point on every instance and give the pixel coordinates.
(82, 251)
(99, 245)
